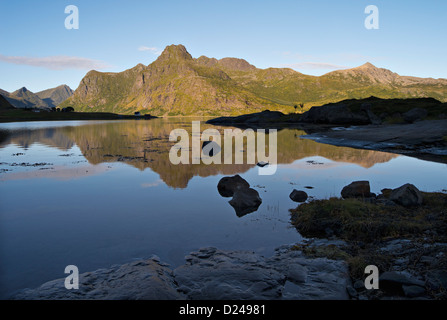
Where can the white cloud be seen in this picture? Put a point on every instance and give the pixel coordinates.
(56, 62)
(153, 50)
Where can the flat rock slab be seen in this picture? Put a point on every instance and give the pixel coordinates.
(209, 274)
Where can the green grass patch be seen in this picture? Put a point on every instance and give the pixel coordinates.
(355, 220)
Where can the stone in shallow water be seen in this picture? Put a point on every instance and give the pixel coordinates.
(298, 196)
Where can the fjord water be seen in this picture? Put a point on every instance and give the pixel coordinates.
(94, 194)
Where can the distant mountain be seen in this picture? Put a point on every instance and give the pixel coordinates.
(178, 84)
(26, 99)
(55, 96)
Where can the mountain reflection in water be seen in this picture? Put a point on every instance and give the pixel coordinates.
(145, 144)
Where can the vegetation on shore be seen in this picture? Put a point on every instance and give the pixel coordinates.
(367, 227)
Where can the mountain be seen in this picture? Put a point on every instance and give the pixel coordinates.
(4, 104)
(26, 99)
(55, 96)
(178, 84)
(174, 84)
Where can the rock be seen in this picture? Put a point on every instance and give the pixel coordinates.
(359, 285)
(298, 196)
(138, 280)
(244, 275)
(407, 195)
(393, 282)
(413, 291)
(210, 148)
(297, 273)
(245, 200)
(262, 164)
(228, 185)
(437, 279)
(357, 189)
(415, 114)
(210, 274)
(366, 107)
(351, 291)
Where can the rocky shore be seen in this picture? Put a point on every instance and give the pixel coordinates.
(401, 231)
(412, 127)
(209, 274)
(423, 139)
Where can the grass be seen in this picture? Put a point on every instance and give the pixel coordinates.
(366, 226)
(355, 220)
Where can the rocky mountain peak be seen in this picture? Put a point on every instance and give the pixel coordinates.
(367, 65)
(236, 64)
(20, 92)
(175, 52)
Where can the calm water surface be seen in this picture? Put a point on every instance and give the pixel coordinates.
(94, 194)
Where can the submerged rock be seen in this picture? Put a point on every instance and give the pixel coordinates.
(245, 200)
(298, 196)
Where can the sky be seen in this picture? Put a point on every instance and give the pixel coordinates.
(38, 52)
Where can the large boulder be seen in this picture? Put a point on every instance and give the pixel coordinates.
(245, 200)
(298, 196)
(415, 114)
(228, 185)
(407, 195)
(357, 189)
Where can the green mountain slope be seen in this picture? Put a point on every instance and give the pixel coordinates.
(178, 84)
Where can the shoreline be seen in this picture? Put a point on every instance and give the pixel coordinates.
(409, 250)
(426, 140)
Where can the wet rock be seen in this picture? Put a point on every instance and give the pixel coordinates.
(298, 196)
(228, 185)
(242, 275)
(356, 189)
(210, 274)
(245, 200)
(437, 279)
(351, 291)
(415, 114)
(407, 195)
(393, 282)
(139, 280)
(413, 291)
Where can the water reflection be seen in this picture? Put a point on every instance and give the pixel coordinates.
(145, 144)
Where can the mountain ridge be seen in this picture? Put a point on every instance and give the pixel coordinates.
(45, 99)
(178, 84)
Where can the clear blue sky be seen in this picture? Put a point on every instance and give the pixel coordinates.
(313, 37)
